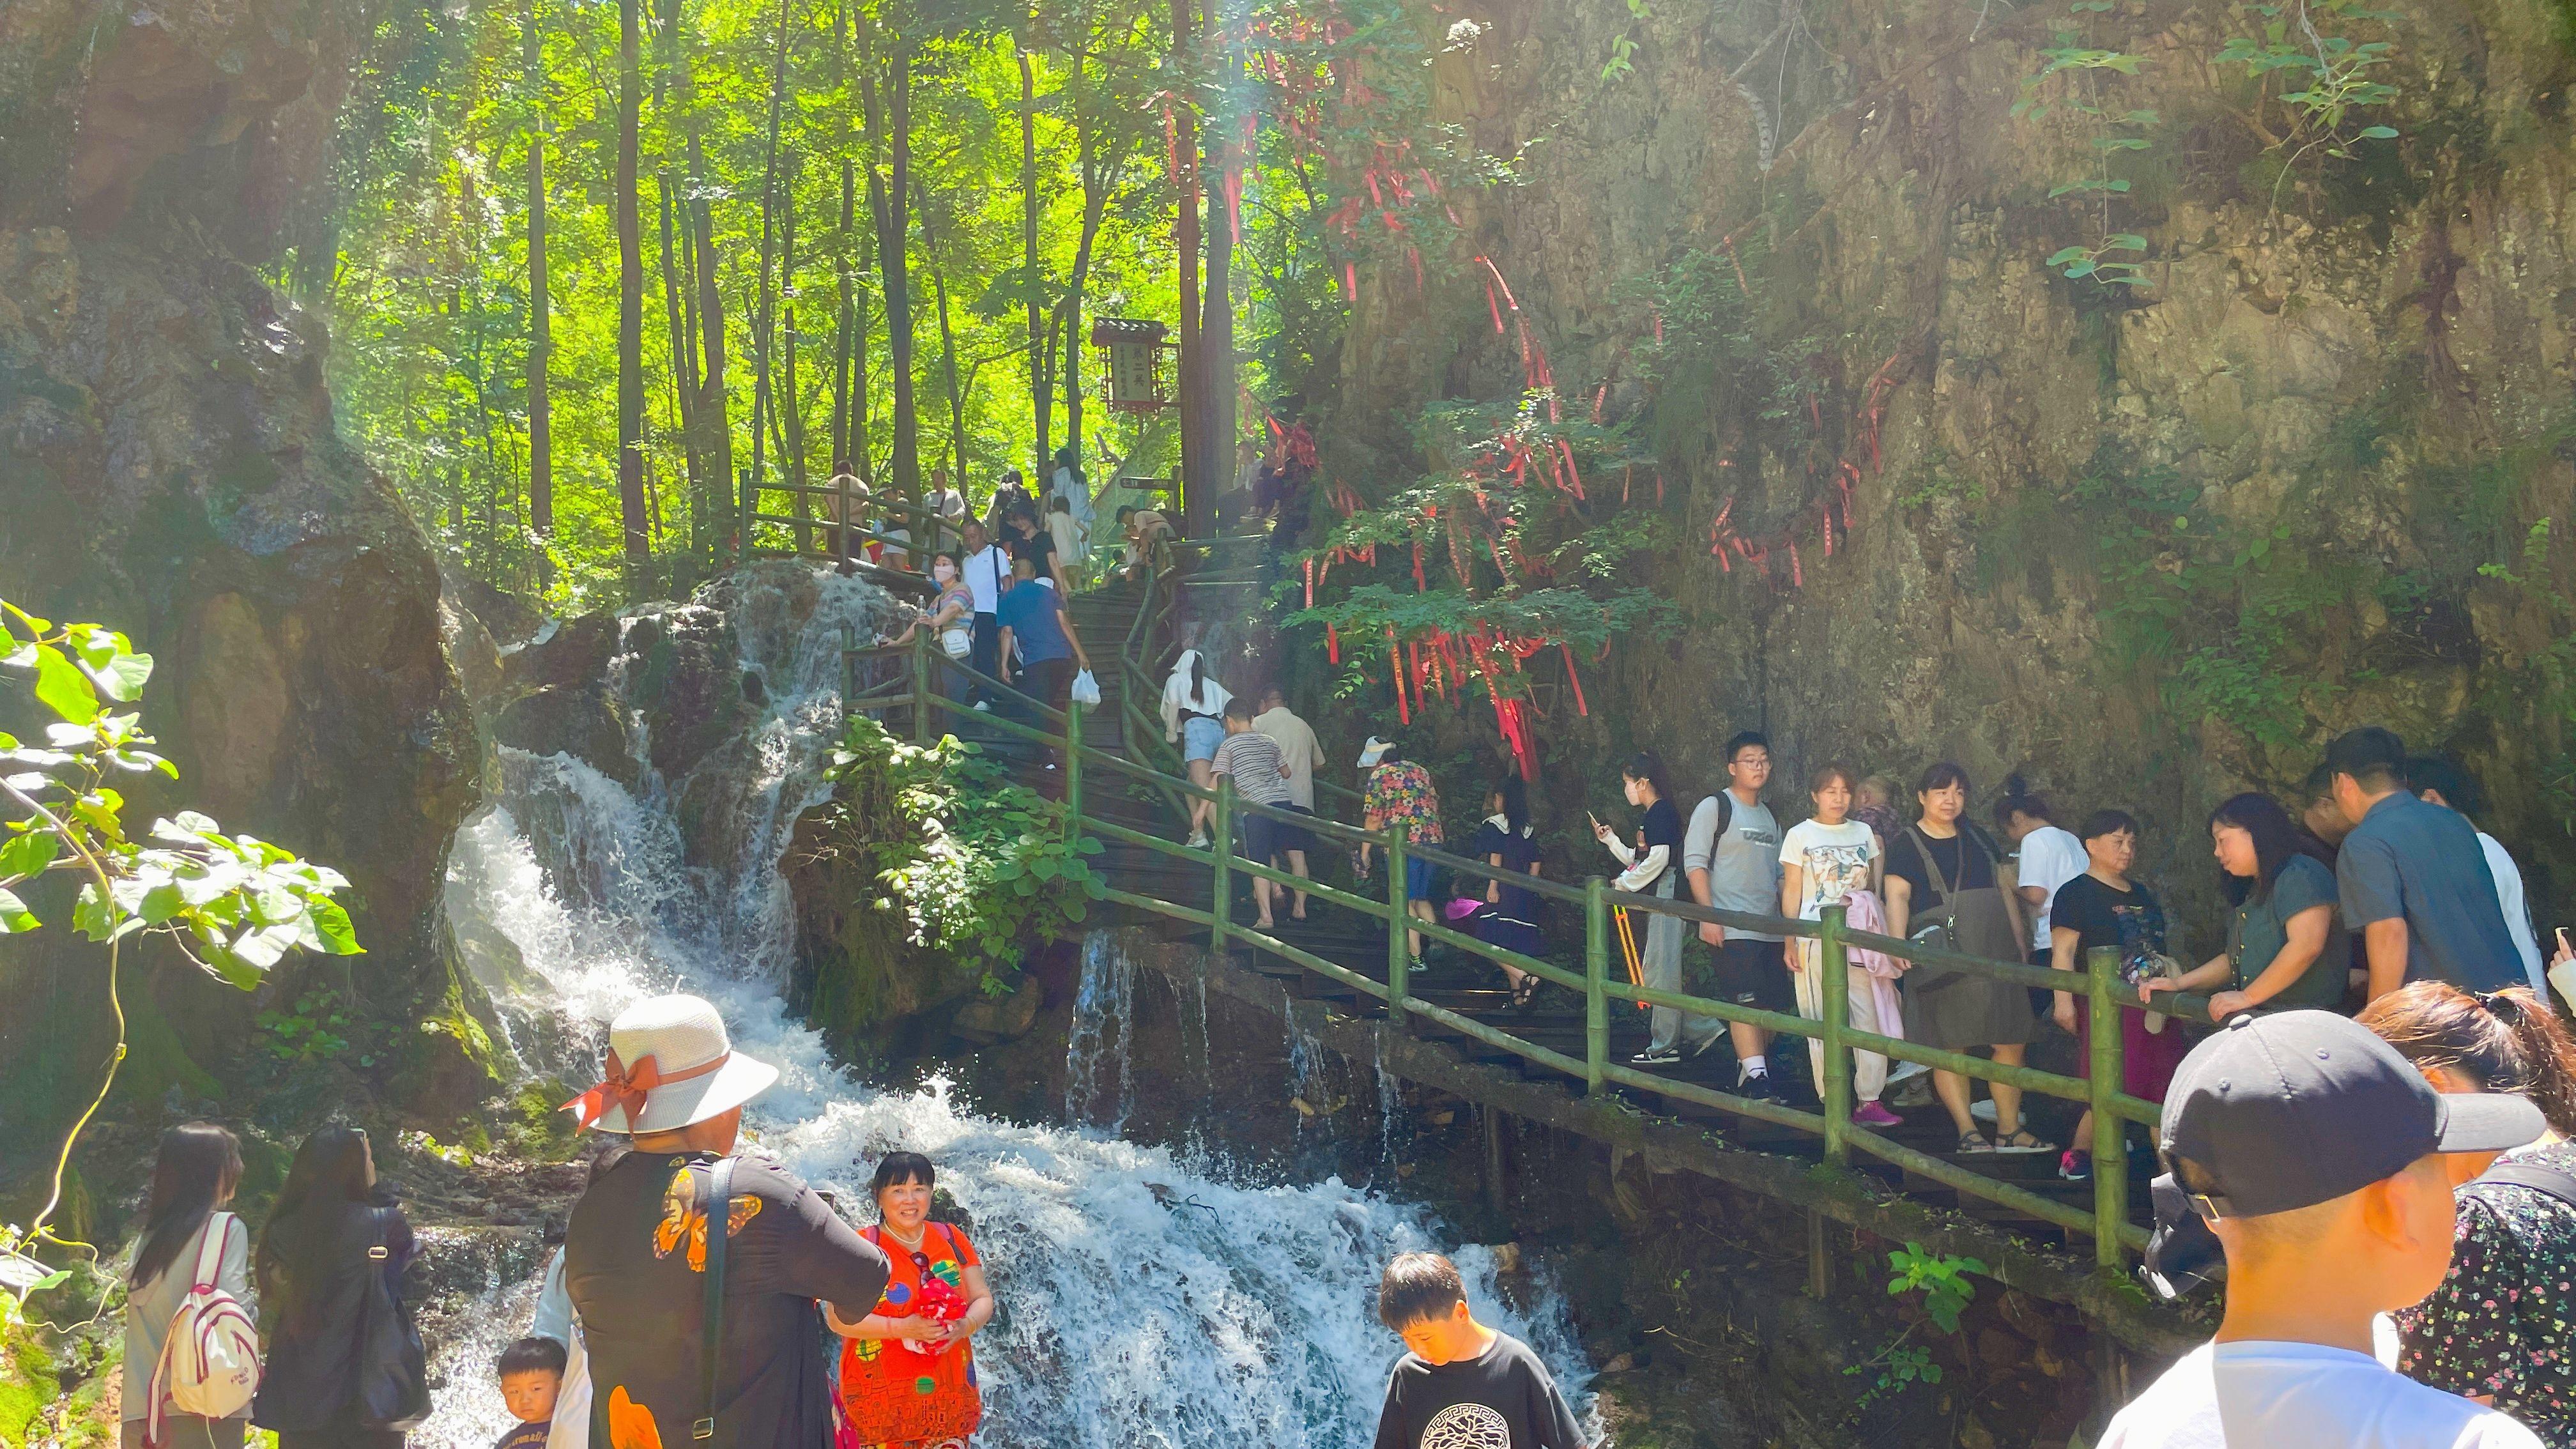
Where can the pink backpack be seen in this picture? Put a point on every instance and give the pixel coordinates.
(210, 1361)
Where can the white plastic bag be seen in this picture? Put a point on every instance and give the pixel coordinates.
(1086, 690)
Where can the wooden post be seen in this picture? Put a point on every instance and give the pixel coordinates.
(1073, 769)
(1399, 957)
(1833, 962)
(2110, 1157)
(1493, 1156)
(1820, 1262)
(1222, 841)
(1596, 986)
(922, 709)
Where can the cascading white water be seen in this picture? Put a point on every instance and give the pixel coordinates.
(1147, 1301)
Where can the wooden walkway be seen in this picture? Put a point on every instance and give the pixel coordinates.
(1124, 790)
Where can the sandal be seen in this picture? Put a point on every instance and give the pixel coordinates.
(1526, 992)
(1973, 1142)
(2022, 1140)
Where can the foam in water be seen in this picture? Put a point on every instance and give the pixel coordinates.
(1145, 1302)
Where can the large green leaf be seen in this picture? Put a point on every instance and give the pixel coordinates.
(62, 688)
(15, 918)
(29, 854)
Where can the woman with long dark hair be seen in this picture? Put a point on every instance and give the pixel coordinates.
(1194, 718)
(2497, 1330)
(907, 1369)
(2286, 944)
(330, 1262)
(1509, 842)
(1943, 888)
(193, 1177)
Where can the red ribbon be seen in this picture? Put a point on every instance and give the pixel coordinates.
(626, 1088)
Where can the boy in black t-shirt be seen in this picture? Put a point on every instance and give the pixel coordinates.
(532, 1372)
(1461, 1385)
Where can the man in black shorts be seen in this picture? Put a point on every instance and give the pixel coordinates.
(1731, 856)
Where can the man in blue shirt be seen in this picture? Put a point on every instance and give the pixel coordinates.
(1035, 624)
(2413, 877)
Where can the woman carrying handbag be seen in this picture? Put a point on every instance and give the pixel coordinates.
(346, 1368)
(1945, 890)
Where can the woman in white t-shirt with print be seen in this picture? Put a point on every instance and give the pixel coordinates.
(1822, 860)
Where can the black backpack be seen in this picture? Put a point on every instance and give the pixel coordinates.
(393, 1366)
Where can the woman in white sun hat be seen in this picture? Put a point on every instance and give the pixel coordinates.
(646, 1236)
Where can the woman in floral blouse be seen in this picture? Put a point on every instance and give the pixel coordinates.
(2497, 1330)
(1400, 798)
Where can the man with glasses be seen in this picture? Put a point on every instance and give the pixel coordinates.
(1731, 856)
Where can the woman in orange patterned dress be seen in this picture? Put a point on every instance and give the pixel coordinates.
(907, 1369)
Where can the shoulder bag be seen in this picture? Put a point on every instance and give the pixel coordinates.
(393, 1366)
(1936, 927)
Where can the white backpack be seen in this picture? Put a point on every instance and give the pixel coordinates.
(210, 1362)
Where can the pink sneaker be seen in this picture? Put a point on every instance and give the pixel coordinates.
(1870, 1114)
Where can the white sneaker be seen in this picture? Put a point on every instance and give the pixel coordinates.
(981, 705)
(1901, 1071)
(1197, 841)
(1982, 1109)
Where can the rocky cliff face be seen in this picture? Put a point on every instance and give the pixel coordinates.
(2150, 544)
(168, 465)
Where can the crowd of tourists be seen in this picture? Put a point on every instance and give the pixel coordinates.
(2379, 879)
(702, 1294)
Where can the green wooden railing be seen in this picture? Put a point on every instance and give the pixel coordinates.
(2107, 1220)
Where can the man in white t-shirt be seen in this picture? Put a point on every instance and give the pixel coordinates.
(2317, 1155)
(2046, 856)
(987, 571)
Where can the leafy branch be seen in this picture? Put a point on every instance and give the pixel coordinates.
(232, 904)
(1943, 1282)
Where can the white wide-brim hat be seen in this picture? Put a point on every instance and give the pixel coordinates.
(1374, 751)
(675, 1049)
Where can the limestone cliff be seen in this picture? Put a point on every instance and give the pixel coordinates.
(168, 465)
(2150, 544)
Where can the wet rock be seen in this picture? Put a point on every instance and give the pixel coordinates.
(571, 719)
(993, 1019)
(570, 653)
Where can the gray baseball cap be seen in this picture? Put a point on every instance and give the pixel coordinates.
(2298, 1108)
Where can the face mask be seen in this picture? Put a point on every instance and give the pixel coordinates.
(942, 572)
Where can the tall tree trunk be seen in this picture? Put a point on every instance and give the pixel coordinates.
(541, 442)
(1195, 497)
(841, 322)
(1040, 384)
(715, 407)
(860, 446)
(790, 402)
(703, 314)
(684, 380)
(761, 313)
(897, 245)
(947, 337)
(890, 200)
(630, 293)
(1216, 323)
(1095, 206)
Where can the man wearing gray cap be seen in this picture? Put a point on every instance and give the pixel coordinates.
(2315, 1153)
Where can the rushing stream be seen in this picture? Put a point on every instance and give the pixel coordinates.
(1147, 1299)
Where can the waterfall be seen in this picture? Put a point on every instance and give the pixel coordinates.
(1146, 1301)
(1104, 1008)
